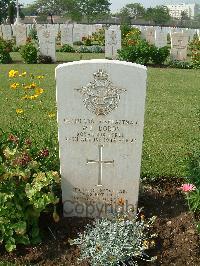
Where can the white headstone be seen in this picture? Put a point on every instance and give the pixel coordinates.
(179, 43)
(7, 32)
(77, 34)
(20, 34)
(100, 124)
(29, 27)
(160, 38)
(112, 42)
(47, 43)
(66, 34)
(149, 34)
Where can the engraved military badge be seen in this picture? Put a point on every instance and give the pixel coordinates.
(101, 96)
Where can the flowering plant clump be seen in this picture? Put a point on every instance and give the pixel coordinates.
(187, 187)
(87, 41)
(98, 37)
(121, 239)
(27, 85)
(27, 187)
(192, 188)
(195, 50)
(132, 37)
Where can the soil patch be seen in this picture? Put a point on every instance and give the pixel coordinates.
(177, 242)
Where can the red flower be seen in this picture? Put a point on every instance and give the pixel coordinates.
(44, 153)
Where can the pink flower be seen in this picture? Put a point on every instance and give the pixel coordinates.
(187, 187)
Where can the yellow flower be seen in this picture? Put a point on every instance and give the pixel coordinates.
(14, 86)
(50, 115)
(24, 74)
(32, 97)
(33, 85)
(26, 87)
(13, 73)
(39, 91)
(146, 244)
(40, 77)
(19, 111)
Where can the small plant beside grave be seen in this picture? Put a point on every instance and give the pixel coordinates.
(66, 48)
(26, 189)
(195, 50)
(29, 53)
(5, 49)
(98, 37)
(122, 239)
(137, 50)
(191, 188)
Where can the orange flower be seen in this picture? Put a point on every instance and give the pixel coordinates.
(121, 201)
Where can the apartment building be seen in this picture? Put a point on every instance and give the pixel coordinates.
(175, 10)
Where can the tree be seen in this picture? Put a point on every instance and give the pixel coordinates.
(3, 10)
(90, 9)
(76, 9)
(11, 12)
(47, 7)
(159, 15)
(134, 10)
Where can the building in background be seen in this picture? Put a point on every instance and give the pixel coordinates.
(176, 10)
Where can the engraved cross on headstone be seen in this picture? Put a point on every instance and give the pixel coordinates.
(100, 162)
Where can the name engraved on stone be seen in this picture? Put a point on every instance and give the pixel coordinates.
(100, 162)
(100, 96)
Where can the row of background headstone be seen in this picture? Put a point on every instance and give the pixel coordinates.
(71, 33)
(75, 32)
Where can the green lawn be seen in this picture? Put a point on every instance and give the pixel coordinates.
(171, 119)
(64, 57)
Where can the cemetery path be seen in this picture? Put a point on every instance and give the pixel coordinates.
(177, 243)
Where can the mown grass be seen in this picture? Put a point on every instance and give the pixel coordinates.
(171, 119)
(63, 57)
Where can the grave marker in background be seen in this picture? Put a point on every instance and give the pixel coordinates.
(7, 32)
(112, 42)
(66, 34)
(47, 42)
(20, 34)
(179, 42)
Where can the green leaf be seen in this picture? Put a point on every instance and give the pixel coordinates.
(10, 244)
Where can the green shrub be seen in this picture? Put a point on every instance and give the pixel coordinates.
(159, 55)
(125, 29)
(114, 241)
(66, 48)
(16, 48)
(29, 53)
(78, 43)
(26, 189)
(194, 47)
(87, 41)
(5, 49)
(44, 59)
(33, 34)
(139, 53)
(83, 49)
(96, 49)
(180, 64)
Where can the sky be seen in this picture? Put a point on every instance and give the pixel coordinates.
(116, 5)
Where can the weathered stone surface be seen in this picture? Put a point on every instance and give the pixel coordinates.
(100, 120)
